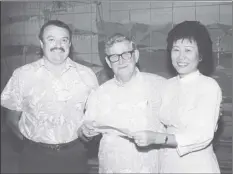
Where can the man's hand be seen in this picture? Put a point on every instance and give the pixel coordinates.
(87, 130)
(146, 138)
(18, 134)
(12, 120)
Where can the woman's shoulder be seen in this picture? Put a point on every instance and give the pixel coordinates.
(208, 83)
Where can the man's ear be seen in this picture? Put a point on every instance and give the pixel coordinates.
(108, 62)
(41, 44)
(136, 55)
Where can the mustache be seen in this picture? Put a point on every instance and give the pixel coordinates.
(57, 48)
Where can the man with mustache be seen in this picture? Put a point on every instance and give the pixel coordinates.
(46, 101)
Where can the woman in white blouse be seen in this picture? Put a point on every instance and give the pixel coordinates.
(190, 105)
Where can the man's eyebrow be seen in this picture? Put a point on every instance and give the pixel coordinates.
(52, 37)
(66, 37)
(49, 37)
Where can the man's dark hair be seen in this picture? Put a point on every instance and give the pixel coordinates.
(194, 31)
(57, 23)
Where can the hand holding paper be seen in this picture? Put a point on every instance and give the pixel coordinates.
(105, 129)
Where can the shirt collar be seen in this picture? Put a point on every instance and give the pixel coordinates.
(189, 77)
(69, 63)
(135, 76)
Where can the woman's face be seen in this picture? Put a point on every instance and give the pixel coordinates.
(185, 56)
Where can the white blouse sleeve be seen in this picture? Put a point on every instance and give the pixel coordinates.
(200, 129)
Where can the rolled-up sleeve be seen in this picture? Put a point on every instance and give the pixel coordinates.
(89, 78)
(91, 107)
(200, 129)
(11, 96)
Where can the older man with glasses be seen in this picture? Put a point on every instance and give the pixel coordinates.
(128, 102)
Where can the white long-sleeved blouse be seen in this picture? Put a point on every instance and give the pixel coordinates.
(190, 111)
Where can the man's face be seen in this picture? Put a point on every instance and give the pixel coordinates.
(56, 44)
(123, 69)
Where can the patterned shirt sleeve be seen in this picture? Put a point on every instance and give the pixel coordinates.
(11, 96)
(89, 78)
(91, 107)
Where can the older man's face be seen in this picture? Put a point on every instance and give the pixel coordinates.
(123, 69)
(56, 44)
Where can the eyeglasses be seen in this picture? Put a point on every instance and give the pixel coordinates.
(116, 57)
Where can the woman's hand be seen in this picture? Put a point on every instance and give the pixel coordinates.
(146, 138)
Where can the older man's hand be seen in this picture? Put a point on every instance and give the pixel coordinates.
(87, 130)
(146, 138)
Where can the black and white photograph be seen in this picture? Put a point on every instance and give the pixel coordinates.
(116, 86)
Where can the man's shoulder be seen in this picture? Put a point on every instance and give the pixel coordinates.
(29, 67)
(106, 86)
(154, 77)
(86, 74)
(171, 82)
(82, 68)
(172, 79)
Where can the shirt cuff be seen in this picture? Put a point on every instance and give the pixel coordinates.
(181, 150)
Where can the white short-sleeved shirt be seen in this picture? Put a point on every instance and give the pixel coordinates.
(135, 106)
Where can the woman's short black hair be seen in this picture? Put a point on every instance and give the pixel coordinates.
(57, 23)
(194, 31)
